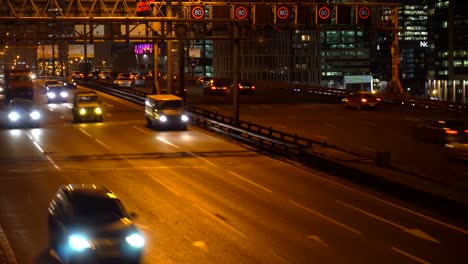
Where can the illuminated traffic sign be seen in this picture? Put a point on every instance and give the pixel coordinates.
(241, 12)
(323, 14)
(364, 12)
(282, 12)
(198, 12)
(364, 15)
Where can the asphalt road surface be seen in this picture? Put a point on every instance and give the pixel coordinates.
(202, 199)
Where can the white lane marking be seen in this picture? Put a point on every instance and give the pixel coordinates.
(318, 240)
(53, 163)
(292, 116)
(220, 221)
(329, 125)
(102, 143)
(51, 109)
(203, 159)
(326, 218)
(410, 256)
(324, 178)
(254, 107)
(276, 255)
(167, 142)
(415, 232)
(38, 147)
(86, 133)
(251, 182)
(214, 107)
(9, 257)
(142, 131)
(461, 230)
(163, 184)
(109, 115)
(110, 105)
(201, 245)
(282, 126)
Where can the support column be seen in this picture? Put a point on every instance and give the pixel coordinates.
(445, 98)
(464, 91)
(235, 74)
(454, 92)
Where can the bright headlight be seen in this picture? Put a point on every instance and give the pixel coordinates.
(13, 116)
(163, 118)
(135, 240)
(35, 115)
(78, 242)
(82, 111)
(51, 95)
(184, 118)
(98, 110)
(63, 94)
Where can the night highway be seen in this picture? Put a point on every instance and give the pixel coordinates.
(202, 199)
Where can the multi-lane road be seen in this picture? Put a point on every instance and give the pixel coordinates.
(201, 199)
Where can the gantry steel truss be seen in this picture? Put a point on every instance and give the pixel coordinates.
(34, 21)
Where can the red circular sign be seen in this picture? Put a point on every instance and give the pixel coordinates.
(241, 12)
(198, 12)
(324, 12)
(364, 12)
(282, 12)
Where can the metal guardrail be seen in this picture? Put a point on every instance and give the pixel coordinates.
(403, 99)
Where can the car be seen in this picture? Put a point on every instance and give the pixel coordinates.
(246, 87)
(88, 223)
(23, 112)
(165, 111)
(69, 83)
(441, 131)
(124, 82)
(362, 100)
(55, 91)
(202, 81)
(77, 75)
(140, 80)
(93, 75)
(458, 148)
(87, 107)
(216, 87)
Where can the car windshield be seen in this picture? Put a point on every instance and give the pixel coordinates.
(95, 210)
(88, 99)
(27, 105)
(170, 104)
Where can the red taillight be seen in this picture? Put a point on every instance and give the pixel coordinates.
(378, 99)
(253, 87)
(213, 87)
(363, 100)
(224, 88)
(466, 131)
(241, 87)
(451, 132)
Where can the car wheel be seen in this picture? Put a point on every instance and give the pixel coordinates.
(149, 123)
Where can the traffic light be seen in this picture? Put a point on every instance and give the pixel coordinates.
(364, 15)
(323, 14)
(343, 15)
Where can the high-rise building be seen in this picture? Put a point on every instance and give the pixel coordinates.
(448, 74)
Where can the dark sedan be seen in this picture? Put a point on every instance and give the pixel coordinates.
(216, 87)
(88, 223)
(246, 87)
(23, 112)
(441, 131)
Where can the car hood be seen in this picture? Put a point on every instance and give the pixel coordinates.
(88, 105)
(170, 112)
(121, 227)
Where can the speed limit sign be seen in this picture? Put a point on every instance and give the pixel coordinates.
(282, 12)
(241, 12)
(198, 12)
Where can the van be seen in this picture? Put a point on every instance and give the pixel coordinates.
(165, 111)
